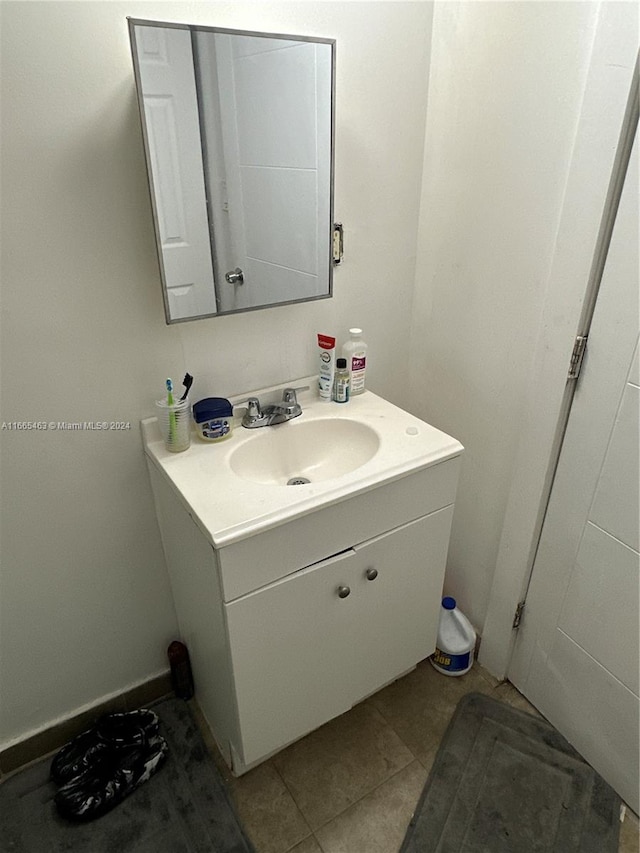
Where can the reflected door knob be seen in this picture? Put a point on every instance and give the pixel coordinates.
(343, 591)
(235, 276)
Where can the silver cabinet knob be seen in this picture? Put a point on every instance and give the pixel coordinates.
(343, 591)
(371, 574)
(235, 276)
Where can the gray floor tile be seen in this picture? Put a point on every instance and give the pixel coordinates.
(629, 834)
(267, 810)
(335, 766)
(378, 822)
(419, 706)
(309, 845)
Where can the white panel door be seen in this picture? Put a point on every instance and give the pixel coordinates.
(577, 653)
(173, 132)
(277, 145)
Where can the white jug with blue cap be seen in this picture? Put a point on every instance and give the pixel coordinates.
(456, 641)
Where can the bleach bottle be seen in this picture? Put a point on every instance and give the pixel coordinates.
(456, 641)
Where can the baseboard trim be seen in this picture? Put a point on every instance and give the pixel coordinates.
(49, 740)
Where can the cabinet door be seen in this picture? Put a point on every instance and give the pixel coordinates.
(398, 591)
(288, 643)
(302, 654)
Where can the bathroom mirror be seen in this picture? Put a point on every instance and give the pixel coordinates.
(238, 132)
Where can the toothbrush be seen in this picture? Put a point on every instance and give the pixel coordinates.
(172, 414)
(187, 382)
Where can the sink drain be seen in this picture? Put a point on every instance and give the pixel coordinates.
(297, 481)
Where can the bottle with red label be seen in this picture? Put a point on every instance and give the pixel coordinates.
(355, 351)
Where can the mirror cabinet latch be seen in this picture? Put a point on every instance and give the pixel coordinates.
(337, 248)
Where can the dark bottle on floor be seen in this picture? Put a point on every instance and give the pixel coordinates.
(181, 677)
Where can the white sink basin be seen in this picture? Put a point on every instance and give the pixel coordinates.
(298, 451)
(235, 488)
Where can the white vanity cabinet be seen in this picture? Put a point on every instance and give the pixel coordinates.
(308, 647)
(297, 602)
(292, 626)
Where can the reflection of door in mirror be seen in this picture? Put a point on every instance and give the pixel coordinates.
(166, 70)
(264, 101)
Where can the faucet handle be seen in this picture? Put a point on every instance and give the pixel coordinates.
(289, 394)
(253, 407)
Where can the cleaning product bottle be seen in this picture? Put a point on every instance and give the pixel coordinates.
(341, 382)
(181, 677)
(456, 641)
(355, 351)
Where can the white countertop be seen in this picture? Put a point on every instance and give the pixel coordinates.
(229, 508)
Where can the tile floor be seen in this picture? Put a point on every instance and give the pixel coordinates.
(352, 785)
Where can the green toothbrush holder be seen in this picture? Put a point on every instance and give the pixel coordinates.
(175, 424)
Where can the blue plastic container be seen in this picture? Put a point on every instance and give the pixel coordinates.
(213, 418)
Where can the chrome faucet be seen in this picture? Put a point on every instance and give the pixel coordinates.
(276, 413)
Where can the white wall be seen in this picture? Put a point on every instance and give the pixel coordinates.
(505, 95)
(85, 608)
(85, 604)
(593, 163)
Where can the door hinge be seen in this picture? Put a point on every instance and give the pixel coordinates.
(518, 615)
(577, 356)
